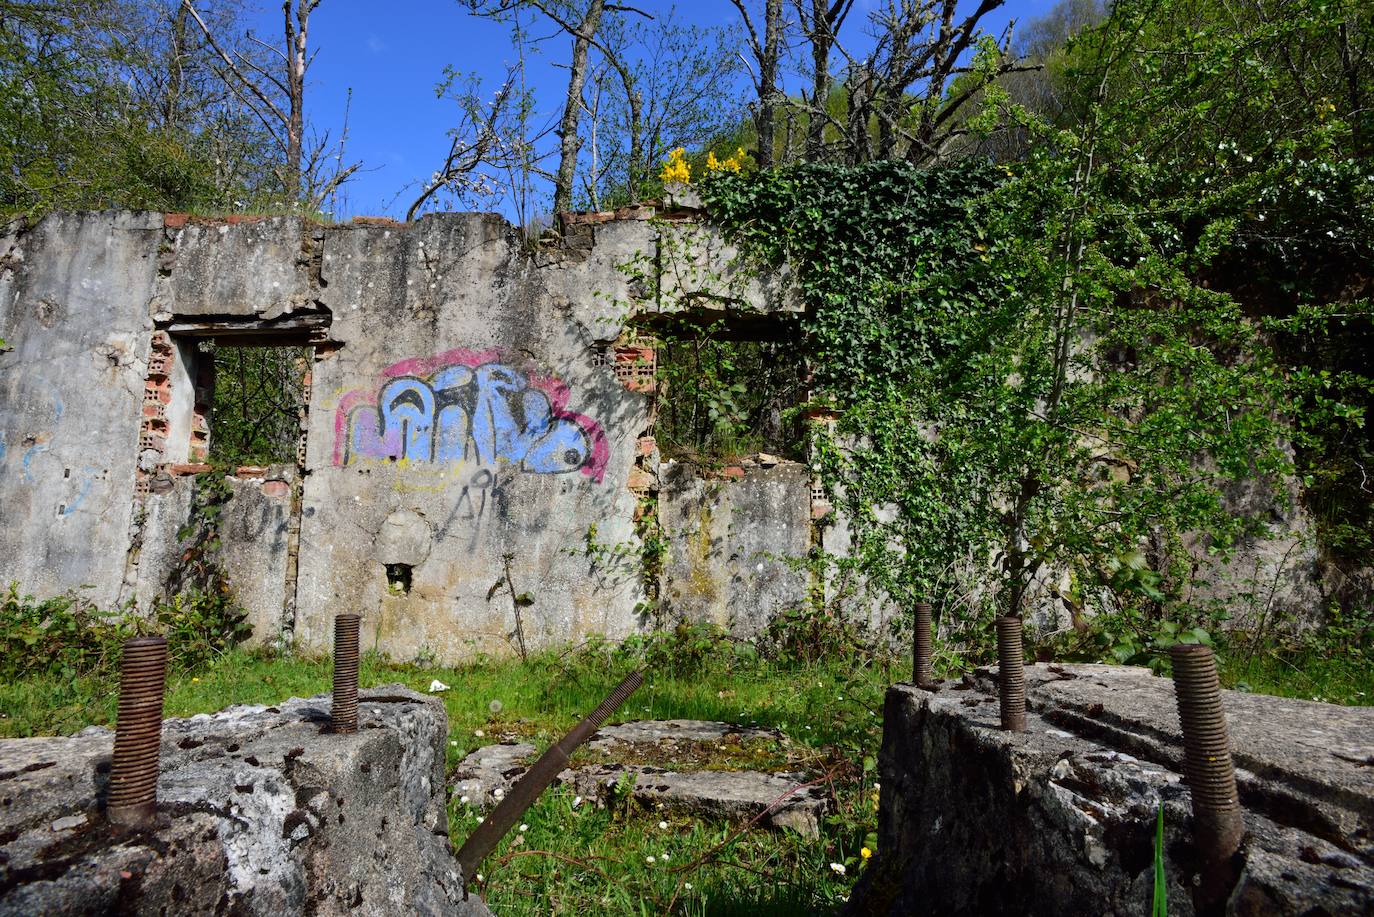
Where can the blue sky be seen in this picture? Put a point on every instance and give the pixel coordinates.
(391, 54)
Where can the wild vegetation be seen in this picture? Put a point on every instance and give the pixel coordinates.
(1069, 292)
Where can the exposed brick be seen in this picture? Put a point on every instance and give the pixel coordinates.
(635, 212)
(376, 221)
(276, 488)
(647, 445)
(175, 220)
(732, 471)
(191, 468)
(250, 471)
(640, 479)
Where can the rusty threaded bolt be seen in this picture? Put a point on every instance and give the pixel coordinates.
(922, 672)
(132, 801)
(1218, 826)
(343, 713)
(1011, 674)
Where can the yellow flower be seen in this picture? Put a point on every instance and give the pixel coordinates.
(676, 168)
(865, 853)
(194, 680)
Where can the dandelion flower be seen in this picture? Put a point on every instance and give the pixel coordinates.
(495, 707)
(837, 868)
(464, 800)
(663, 826)
(479, 733)
(663, 856)
(865, 853)
(524, 828)
(194, 680)
(687, 885)
(650, 859)
(498, 794)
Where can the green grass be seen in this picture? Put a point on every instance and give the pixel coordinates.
(1337, 676)
(584, 859)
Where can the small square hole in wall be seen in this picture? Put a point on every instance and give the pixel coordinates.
(398, 579)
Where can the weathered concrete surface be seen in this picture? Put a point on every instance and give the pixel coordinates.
(1060, 819)
(254, 529)
(464, 428)
(466, 312)
(668, 735)
(74, 293)
(485, 776)
(261, 812)
(255, 542)
(783, 800)
(730, 542)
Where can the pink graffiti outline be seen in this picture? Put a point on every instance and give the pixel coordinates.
(555, 389)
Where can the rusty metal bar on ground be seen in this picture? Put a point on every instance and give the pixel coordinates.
(523, 795)
(343, 712)
(1011, 674)
(132, 801)
(1218, 825)
(922, 671)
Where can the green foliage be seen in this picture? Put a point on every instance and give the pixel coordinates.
(68, 637)
(1159, 905)
(259, 401)
(1332, 663)
(722, 398)
(101, 107)
(1039, 365)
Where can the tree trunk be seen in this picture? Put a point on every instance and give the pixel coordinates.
(768, 81)
(296, 43)
(176, 74)
(637, 165)
(820, 77)
(569, 141)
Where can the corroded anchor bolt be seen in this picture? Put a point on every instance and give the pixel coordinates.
(138, 733)
(343, 713)
(922, 672)
(1218, 826)
(1011, 674)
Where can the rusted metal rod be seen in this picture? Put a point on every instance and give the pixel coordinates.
(922, 671)
(1011, 674)
(1218, 826)
(343, 712)
(523, 795)
(132, 801)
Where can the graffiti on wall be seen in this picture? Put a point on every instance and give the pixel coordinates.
(469, 407)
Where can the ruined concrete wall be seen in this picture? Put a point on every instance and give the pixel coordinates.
(472, 435)
(74, 293)
(1060, 819)
(530, 443)
(254, 530)
(737, 544)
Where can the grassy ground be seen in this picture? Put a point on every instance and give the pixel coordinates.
(575, 858)
(1339, 677)
(582, 859)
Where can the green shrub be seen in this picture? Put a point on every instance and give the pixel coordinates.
(71, 637)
